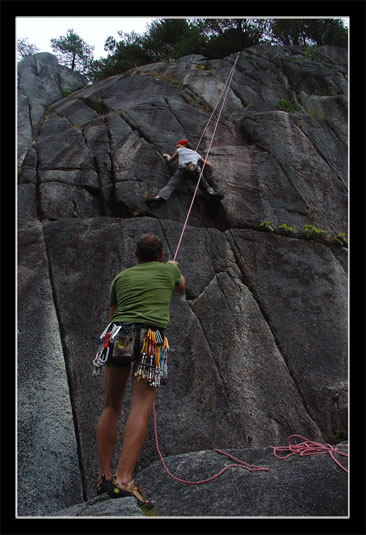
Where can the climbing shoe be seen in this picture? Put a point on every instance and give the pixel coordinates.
(155, 200)
(103, 485)
(120, 491)
(217, 196)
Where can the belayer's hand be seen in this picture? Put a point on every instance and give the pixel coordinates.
(174, 262)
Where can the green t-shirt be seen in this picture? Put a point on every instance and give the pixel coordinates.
(142, 293)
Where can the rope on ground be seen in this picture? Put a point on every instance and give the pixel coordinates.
(242, 464)
(226, 87)
(308, 447)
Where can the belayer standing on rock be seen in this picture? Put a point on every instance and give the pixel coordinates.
(139, 313)
(188, 170)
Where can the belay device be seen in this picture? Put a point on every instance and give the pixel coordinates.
(120, 343)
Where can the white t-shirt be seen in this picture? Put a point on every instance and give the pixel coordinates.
(188, 155)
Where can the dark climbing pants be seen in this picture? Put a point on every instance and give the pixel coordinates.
(179, 182)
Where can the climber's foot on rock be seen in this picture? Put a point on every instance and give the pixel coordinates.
(155, 200)
(117, 490)
(217, 196)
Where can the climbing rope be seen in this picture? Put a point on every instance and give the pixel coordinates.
(225, 90)
(308, 447)
(242, 464)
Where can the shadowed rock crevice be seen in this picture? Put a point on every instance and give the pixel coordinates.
(70, 383)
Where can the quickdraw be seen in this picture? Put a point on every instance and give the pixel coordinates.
(106, 338)
(153, 367)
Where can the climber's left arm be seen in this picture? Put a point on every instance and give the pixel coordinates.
(202, 161)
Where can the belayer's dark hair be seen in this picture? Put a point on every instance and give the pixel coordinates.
(149, 247)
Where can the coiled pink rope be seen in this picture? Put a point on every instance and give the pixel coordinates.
(308, 447)
(226, 87)
(242, 464)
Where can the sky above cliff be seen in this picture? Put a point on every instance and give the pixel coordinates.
(93, 30)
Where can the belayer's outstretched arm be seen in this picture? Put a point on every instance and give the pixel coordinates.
(182, 285)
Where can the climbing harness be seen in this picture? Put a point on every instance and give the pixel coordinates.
(190, 166)
(225, 90)
(120, 344)
(308, 447)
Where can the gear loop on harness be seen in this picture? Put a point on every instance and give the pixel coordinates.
(153, 366)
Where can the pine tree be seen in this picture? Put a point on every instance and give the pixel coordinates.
(73, 52)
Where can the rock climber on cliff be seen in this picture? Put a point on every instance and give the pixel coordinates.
(187, 170)
(139, 312)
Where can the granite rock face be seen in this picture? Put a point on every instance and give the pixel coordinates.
(259, 340)
(298, 486)
(309, 486)
(41, 81)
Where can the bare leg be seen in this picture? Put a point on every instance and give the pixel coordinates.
(115, 380)
(135, 429)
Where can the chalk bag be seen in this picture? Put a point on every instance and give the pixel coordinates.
(119, 345)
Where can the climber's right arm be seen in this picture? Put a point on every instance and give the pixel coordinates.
(171, 158)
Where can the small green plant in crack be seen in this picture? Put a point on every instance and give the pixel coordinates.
(336, 438)
(341, 239)
(66, 92)
(289, 106)
(313, 232)
(267, 225)
(310, 52)
(97, 105)
(286, 227)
